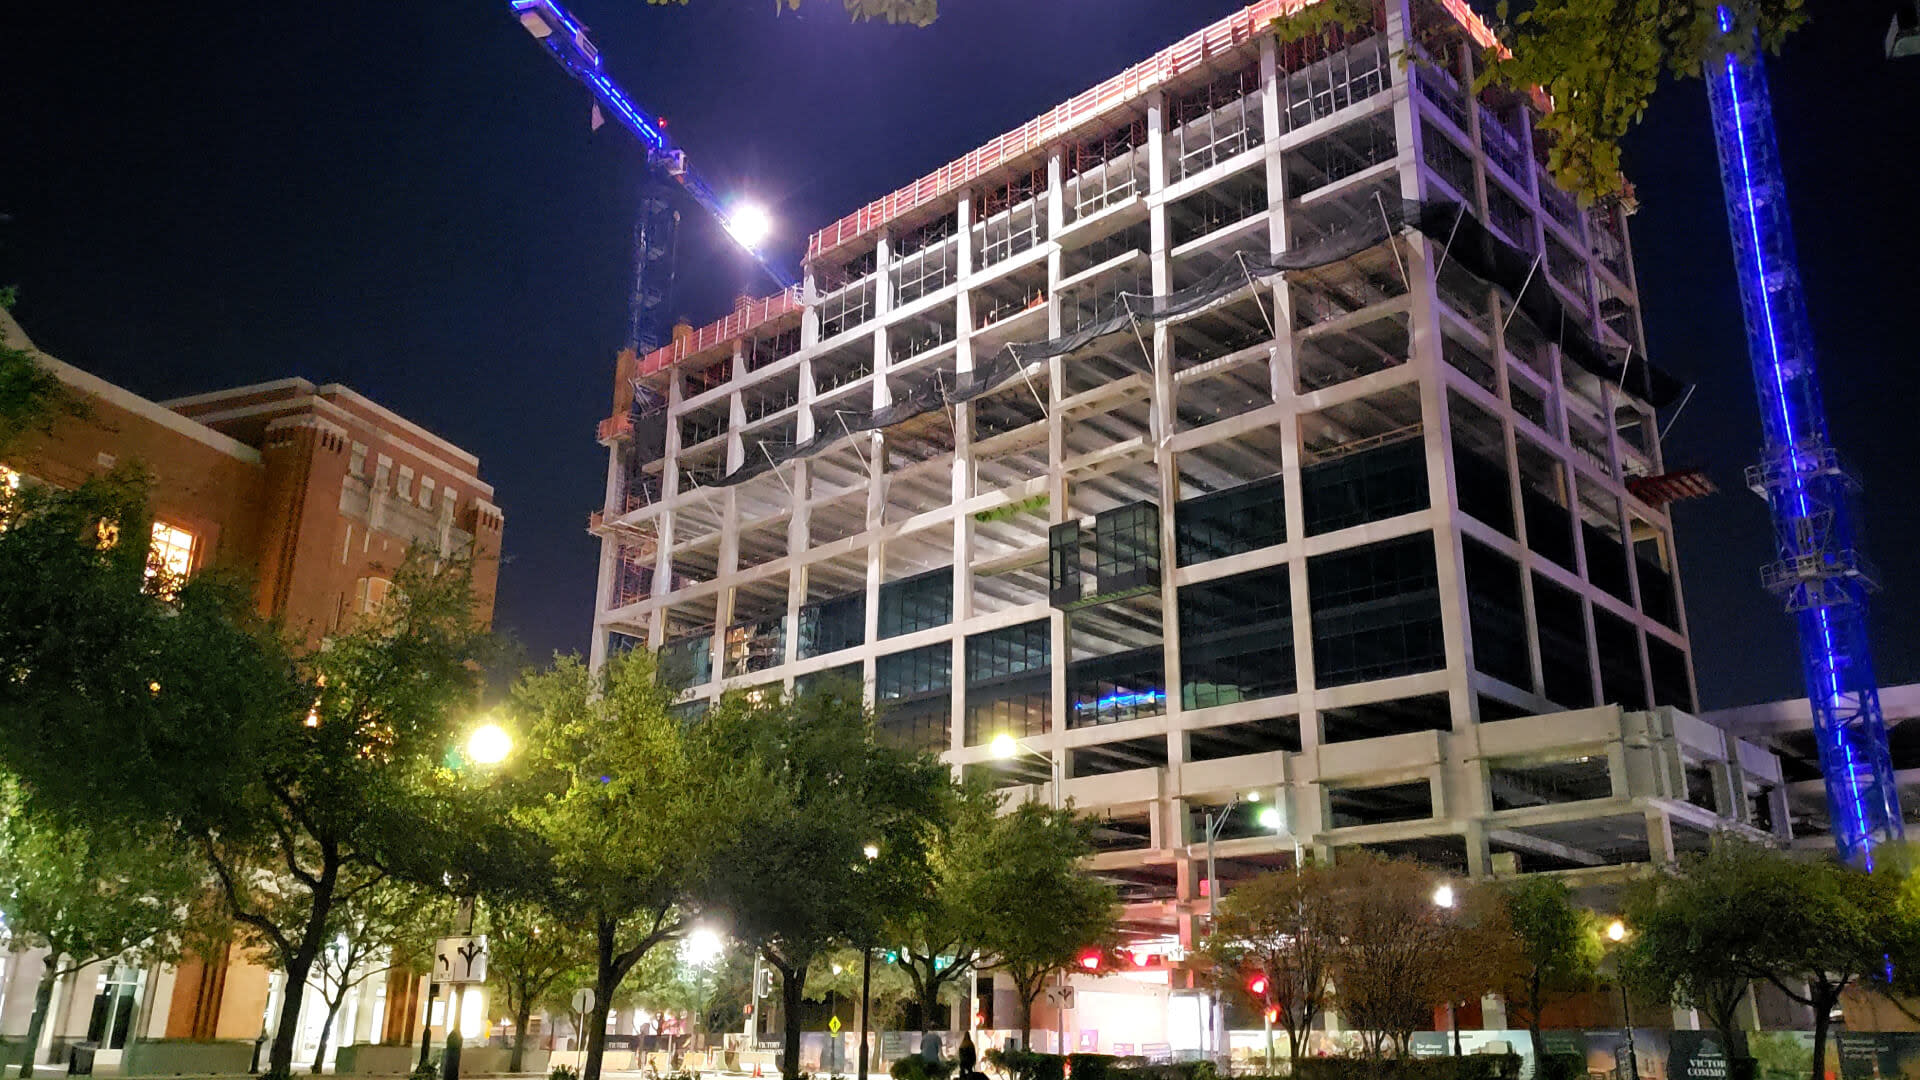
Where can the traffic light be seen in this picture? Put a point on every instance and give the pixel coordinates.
(1257, 986)
(1273, 1014)
(1090, 960)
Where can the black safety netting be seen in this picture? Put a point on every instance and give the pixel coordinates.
(1461, 236)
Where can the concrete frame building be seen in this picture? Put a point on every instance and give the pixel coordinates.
(1322, 515)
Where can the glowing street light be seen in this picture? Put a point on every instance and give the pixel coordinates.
(749, 224)
(1443, 896)
(1616, 931)
(489, 744)
(1003, 746)
(1270, 819)
(871, 851)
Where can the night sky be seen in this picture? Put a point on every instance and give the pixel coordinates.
(405, 197)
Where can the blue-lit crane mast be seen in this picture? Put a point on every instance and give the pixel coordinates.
(1822, 577)
(654, 227)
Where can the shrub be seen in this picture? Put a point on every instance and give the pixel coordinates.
(425, 1071)
(1092, 1066)
(1028, 1065)
(1468, 1067)
(563, 1072)
(915, 1067)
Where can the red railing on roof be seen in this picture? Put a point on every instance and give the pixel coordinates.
(745, 317)
(1184, 55)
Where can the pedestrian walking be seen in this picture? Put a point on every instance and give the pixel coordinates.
(930, 1047)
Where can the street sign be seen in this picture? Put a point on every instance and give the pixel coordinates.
(460, 960)
(583, 1000)
(833, 1025)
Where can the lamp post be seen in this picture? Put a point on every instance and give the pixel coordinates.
(872, 852)
(487, 746)
(1617, 933)
(1005, 747)
(1444, 899)
(1268, 818)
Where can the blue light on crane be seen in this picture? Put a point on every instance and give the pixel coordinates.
(1819, 574)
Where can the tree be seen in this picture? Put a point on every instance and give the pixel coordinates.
(1403, 953)
(88, 897)
(191, 711)
(630, 804)
(1691, 946)
(1559, 946)
(1601, 60)
(934, 931)
(530, 953)
(799, 882)
(30, 394)
(1740, 912)
(836, 975)
(1040, 911)
(1285, 926)
(376, 930)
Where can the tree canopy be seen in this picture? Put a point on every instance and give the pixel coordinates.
(295, 773)
(1558, 945)
(627, 804)
(1040, 912)
(1600, 62)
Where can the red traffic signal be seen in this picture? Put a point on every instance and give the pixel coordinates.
(1257, 986)
(1090, 960)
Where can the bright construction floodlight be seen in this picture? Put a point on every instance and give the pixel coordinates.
(749, 225)
(489, 744)
(1004, 746)
(1270, 819)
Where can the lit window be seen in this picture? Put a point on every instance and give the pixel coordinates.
(9, 484)
(170, 558)
(373, 595)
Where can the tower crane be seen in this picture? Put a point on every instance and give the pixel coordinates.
(1819, 574)
(566, 40)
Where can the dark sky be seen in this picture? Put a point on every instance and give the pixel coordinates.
(405, 197)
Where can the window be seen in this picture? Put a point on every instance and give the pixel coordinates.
(832, 625)
(1376, 611)
(914, 673)
(371, 595)
(1117, 687)
(1496, 614)
(1370, 485)
(1229, 522)
(916, 603)
(1236, 639)
(170, 558)
(1009, 682)
(357, 464)
(405, 487)
(426, 493)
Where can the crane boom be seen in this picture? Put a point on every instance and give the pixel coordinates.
(566, 40)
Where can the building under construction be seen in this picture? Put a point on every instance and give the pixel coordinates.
(1261, 423)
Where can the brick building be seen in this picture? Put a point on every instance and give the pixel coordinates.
(317, 493)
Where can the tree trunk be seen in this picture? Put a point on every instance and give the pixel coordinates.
(1820, 1023)
(522, 1016)
(1026, 1016)
(326, 1029)
(280, 1057)
(792, 984)
(42, 1001)
(604, 983)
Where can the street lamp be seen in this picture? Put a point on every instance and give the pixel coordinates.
(1005, 747)
(1444, 899)
(1269, 818)
(489, 744)
(872, 852)
(1617, 933)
